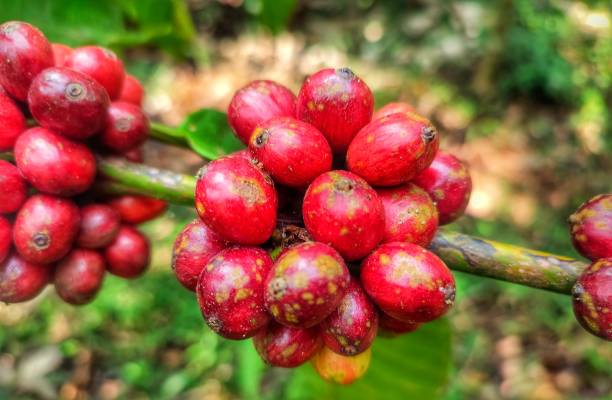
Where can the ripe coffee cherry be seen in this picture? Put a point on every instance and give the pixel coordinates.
(306, 283)
(21, 280)
(244, 153)
(78, 277)
(68, 102)
(351, 328)
(135, 209)
(128, 255)
(12, 123)
(393, 149)
(410, 215)
(342, 210)
(126, 127)
(389, 327)
(45, 228)
(258, 102)
(24, 52)
(282, 346)
(193, 248)
(131, 90)
(60, 53)
(448, 183)
(393, 108)
(591, 227)
(236, 200)
(408, 282)
(99, 226)
(338, 103)
(13, 189)
(6, 238)
(230, 292)
(341, 369)
(54, 164)
(292, 151)
(101, 64)
(592, 298)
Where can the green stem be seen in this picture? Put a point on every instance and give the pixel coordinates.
(167, 134)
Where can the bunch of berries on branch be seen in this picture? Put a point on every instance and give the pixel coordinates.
(53, 227)
(364, 193)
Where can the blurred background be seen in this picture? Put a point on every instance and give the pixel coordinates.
(519, 89)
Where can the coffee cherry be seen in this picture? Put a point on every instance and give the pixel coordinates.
(244, 153)
(54, 164)
(60, 53)
(136, 209)
(391, 327)
(127, 127)
(591, 227)
(306, 284)
(100, 64)
(68, 102)
(392, 150)
(13, 189)
(292, 151)
(341, 369)
(282, 346)
(448, 183)
(129, 254)
(99, 226)
(256, 103)
(45, 228)
(393, 108)
(12, 123)
(410, 215)
(351, 328)
(6, 238)
(408, 282)
(131, 91)
(338, 103)
(24, 52)
(236, 200)
(592, 298)
(230, 292)
(78, 277)
(21, 280)
(193, 248)
(342, 210)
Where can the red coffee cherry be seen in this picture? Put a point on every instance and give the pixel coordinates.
(393, 108)
(61, 52)
(131, 91)
(338, 103)
(129, 254)
(282, 346)
(45, 228)
(592, 298)
(448, 183)
(392, 150)
(390, 327)
(351, 328)
(410, 215)
(256, 103)
(408, 282)
(54, 164)
(306, 284)
(136, 209)
(6, 238)
(342, 210)
(99, 226)
(21, 280)
(193, 248)
(78, 277)
(292, 151)
(341, 369)
(12, 123)
(101, 64)
(591, 227)
(68, 102)
(24, 52)
(236, 200)
(127, 127)
(13, 189)
(230, 292)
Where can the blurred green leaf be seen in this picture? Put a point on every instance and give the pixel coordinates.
(209, 133)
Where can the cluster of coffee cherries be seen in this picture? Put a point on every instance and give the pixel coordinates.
(591, 231)
(57, 105)
(348, 199)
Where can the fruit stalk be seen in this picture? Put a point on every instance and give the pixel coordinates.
(166, 134)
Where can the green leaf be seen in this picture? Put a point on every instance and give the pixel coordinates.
(413, 366)
(209, 133)
(276, 14)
